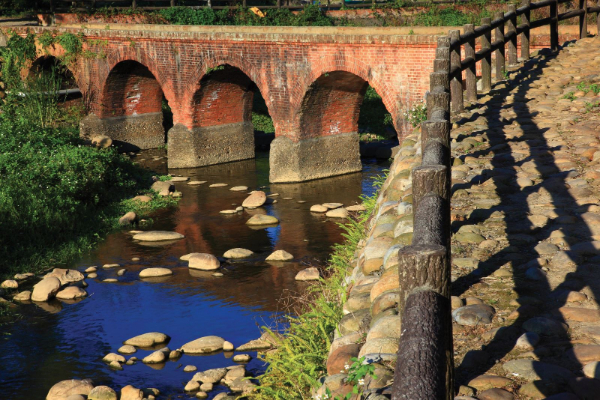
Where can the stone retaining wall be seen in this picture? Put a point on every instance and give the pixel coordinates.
(371, 324)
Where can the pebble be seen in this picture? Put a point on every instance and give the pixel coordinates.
(149, 339)
(239, 188)
(207, 344)
(189, 368)
(9, 284)
(127, 349)
(195, 183)
(203, 261)
(242, 358)
(91, 269)
(337, 213)
(216, 185)
(317, 208)
(474, 314)
(121, 272)
(109, 266)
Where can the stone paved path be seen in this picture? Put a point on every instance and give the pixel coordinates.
(526, 223)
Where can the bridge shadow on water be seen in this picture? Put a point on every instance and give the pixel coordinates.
(521, 253)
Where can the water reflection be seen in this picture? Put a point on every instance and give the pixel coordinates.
(57, 340)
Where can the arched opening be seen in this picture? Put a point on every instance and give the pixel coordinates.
(49, 82)
(331, 105)
(327, 139)
(221, 115)
(134, 107)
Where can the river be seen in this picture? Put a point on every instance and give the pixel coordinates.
(57, 341)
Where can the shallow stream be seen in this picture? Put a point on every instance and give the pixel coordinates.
(57, 341)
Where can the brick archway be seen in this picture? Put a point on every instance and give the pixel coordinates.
(130, 107)
(219, 120)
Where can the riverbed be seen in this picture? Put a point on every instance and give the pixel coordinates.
(57, 341)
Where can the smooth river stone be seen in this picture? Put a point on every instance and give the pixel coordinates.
(194, 183)
(536, 370)
(474, 314)
(259, 219)
(127, 349)
(9, 284)
(332, 206)
(64, 389)
(45, 289)
(239, 188)
(238, 253)
(186, 257)
(23, 296)
(148, 339)
(210, 376)
(318, 208)
(66, 275)
(102, 393)
(280, 255)
(216, 185)
(203, 261)
(308, 274)
(337, 213)
(157, 236)
(155, 272)
(179, 179)
(70, 293)
(207, 344)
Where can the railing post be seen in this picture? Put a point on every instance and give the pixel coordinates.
(583, 19)
(278, 3)
(471, 72)
(554, 26)
(456, 89)
(133, 4)
(172, 3)
(499, 36)
(486, 62)
(512, 28)
(526, 20)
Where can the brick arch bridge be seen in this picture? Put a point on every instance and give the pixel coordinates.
(312, 79)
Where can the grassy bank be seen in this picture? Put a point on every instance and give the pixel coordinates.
(295, 367)
(58, 196)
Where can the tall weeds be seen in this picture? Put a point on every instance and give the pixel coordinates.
(294, 369)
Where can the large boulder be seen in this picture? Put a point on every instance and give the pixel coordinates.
(66, 275)
(207, 344)
(46, 289)
(64, 389)
(203, 261)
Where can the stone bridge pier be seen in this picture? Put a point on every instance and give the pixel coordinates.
(313, 81)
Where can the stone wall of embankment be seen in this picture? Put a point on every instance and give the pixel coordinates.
(371, 324)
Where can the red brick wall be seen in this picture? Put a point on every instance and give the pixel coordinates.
(312, 79)
(224, 97)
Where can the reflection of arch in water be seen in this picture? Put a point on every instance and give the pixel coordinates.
(221, 115)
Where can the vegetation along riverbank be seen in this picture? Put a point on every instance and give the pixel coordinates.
(58, 194)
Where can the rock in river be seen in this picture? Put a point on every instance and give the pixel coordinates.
(66, 275)
(203, 261)
(102, 393)
(337, 213)
(9, 284)
(23, 296)
(256, 199)
(148, 339)
(259, 219)
(318, 208)
(280, 255)
(127, 349)
(207, 344)
(308, 274)
(64, 389)
(155, 272)
(157, 357)
(45, 289)
(238, 253)
(70, 293)
(157, 236)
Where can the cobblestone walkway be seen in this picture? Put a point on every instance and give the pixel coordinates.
(526, 223)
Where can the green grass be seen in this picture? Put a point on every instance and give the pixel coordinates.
(300, 359)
